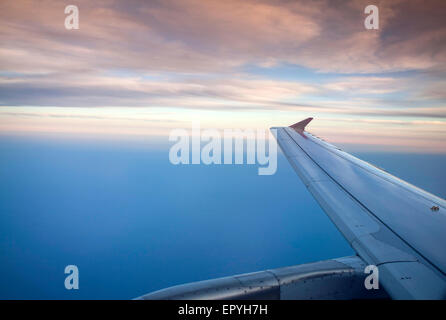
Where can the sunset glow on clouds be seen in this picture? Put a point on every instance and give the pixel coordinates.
(143, 68)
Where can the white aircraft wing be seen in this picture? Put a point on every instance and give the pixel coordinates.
(391, 224)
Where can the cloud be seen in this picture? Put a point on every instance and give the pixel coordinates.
(343, 95)
(203, 55)
(206, 36)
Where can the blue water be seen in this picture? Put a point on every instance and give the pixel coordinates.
(134, 223)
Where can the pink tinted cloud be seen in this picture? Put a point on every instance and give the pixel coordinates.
(190, 54)
(203, 36)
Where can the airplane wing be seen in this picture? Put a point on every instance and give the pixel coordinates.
(391, 224)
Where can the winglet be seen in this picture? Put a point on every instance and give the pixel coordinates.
(300, 126)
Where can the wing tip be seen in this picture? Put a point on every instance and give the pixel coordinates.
(300, 126)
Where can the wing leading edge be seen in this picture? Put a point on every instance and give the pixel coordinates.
(388, 222)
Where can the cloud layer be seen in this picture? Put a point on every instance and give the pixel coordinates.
(294, 57)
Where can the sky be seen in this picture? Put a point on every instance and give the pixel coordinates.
(142, 68)
(85, 115)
